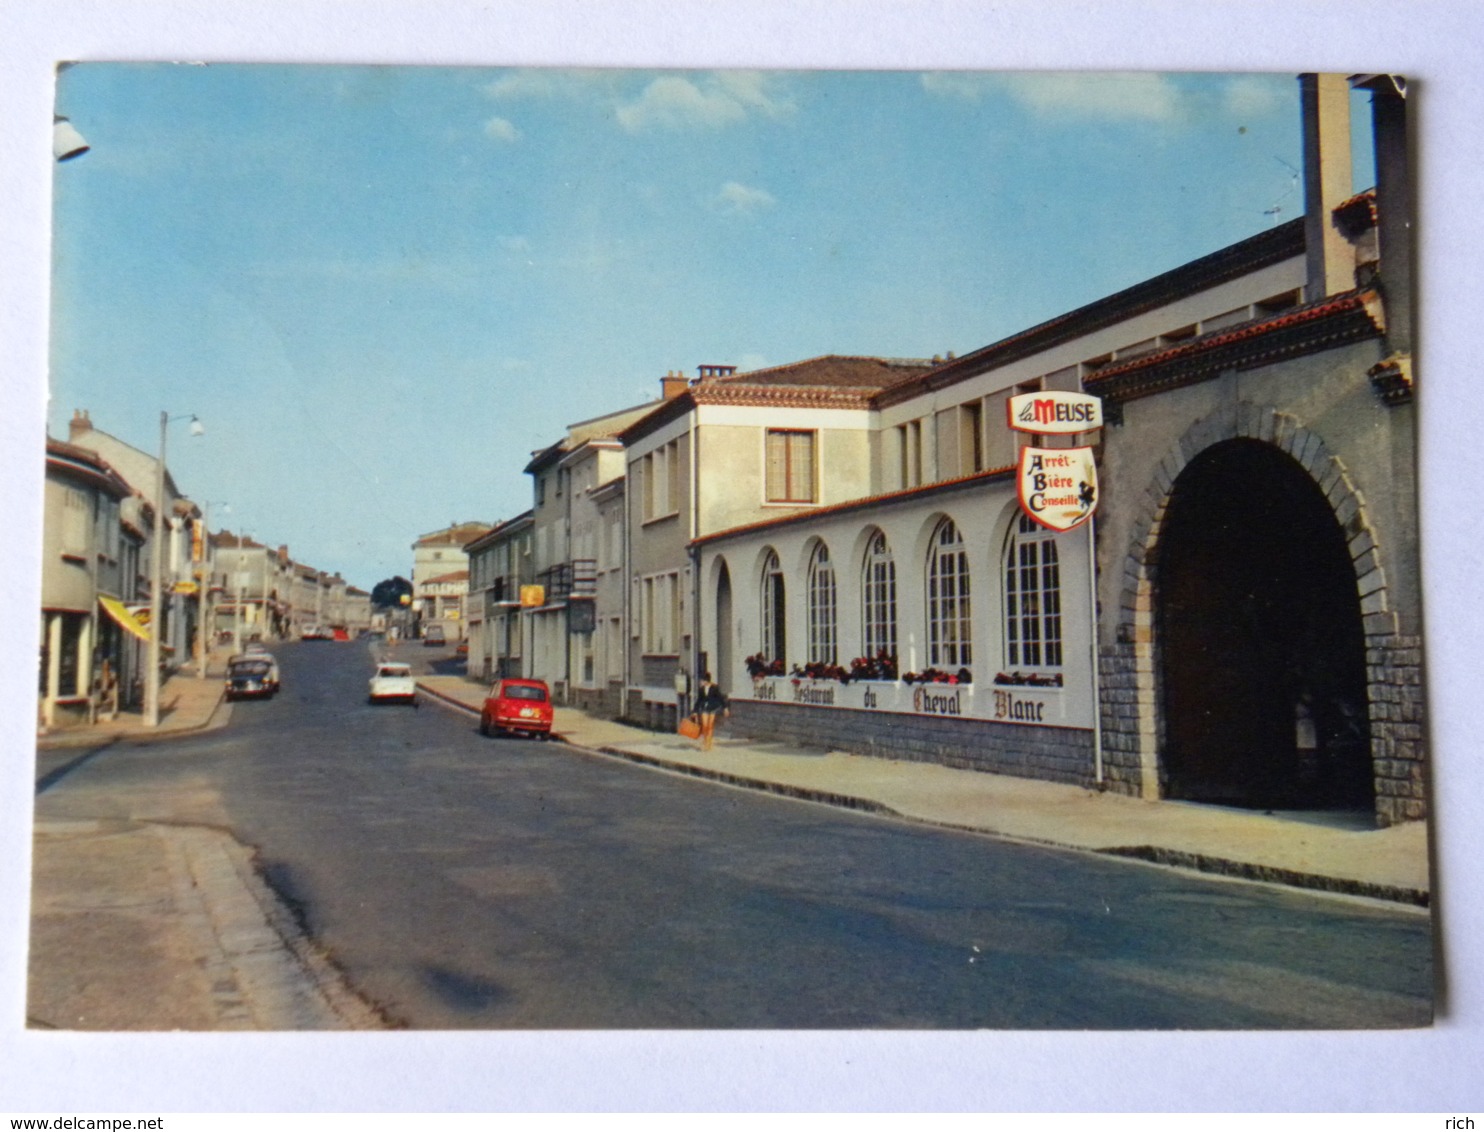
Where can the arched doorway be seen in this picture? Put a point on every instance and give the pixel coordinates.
(1261, 645)
(722, 672)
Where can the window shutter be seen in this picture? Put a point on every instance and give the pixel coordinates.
(777, 466)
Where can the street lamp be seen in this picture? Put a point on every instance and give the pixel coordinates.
(157, 576)
(67, 143)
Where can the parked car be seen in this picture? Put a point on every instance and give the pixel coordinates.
(252, 674)
(522, 706)
(315, 633)
(393, 683)
(433, 637)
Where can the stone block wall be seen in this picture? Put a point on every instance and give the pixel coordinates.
(1398, 739)
(1053, 754)
(1122, 709)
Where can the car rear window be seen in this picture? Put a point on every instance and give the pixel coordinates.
(524, 692)
(252, 668)
(394, 670)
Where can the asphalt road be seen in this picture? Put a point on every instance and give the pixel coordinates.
(464, 882)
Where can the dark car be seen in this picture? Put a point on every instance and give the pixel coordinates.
(433, 637)
(252, 675)
(522, 706)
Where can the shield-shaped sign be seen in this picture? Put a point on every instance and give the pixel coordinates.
(1058, 486)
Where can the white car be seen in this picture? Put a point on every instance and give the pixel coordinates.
(393, 683)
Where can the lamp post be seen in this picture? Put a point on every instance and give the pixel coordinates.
(157, 576)
(67, 142)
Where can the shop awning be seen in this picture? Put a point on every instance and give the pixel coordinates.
(120, 613)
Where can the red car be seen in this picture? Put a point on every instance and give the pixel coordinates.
(522, 706)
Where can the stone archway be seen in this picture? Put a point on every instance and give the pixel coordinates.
(1134, 692)
(1261, 652)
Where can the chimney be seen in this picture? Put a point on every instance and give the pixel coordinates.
(1393, 203)
(709, 373)
(79, 424)
(673, 385)
(1325, 104)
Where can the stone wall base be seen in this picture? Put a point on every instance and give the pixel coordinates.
(1052, 754)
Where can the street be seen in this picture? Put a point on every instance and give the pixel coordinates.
(463, 882)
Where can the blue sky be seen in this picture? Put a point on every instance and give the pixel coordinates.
(381, 288)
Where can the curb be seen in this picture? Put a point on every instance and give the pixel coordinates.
(84, 738)
(1271, 874)
(1151, 854)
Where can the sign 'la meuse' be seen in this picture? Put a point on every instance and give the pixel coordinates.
(1055, 411)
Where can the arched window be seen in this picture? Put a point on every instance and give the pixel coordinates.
(771, 604)
(949, 636)
(822, 635)
(1032, 597)
(879, 599)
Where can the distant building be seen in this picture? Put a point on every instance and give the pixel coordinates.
(437, 555)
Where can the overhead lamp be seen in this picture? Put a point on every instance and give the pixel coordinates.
(67, 143)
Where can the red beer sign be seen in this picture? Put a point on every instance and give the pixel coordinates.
(1055, 411)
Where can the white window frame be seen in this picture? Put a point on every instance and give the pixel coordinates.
(771, 649)
(1031, 580)
(949, 608)
(824, 633)
(879, 598)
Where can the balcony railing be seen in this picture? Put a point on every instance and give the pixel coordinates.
(575, 579)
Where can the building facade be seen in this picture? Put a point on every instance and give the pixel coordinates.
(437, 555)
(90, 633)
(1254, 611)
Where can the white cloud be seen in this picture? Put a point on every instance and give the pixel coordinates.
(742, 199)
(501, 129)
(1255, 96)
(548, 83)
(717, 100)
(1130, 95)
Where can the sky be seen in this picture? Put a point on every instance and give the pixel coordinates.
(380, 288)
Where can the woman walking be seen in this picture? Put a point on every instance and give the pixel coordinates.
(710, 700)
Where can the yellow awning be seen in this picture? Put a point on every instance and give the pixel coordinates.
(119, 613)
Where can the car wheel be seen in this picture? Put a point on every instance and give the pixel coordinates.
(484, 726)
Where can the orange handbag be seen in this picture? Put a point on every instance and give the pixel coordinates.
(690, 727)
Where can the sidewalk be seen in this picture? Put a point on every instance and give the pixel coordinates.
(187, 703)
(163, 923)
(1302, 850)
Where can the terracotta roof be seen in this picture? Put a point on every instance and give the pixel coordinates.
(87, 464)
(456, 535)
(834, 370)
(237, 542)
(1356, 215)
(456, 576)
(899, 496)
(831, 381)
(1337, 318)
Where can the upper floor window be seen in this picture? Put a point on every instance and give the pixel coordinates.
(1032, 571)
(879, 599)
(660, 481)
(949, 634)
(909, 450)
(822, 620)
(790, 466)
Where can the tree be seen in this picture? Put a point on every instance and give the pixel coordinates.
(388, 594)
